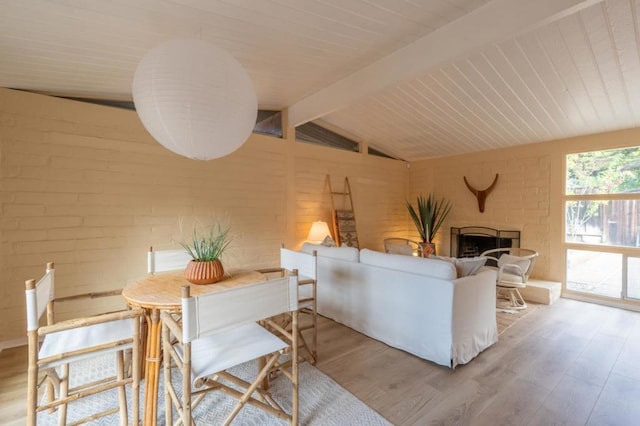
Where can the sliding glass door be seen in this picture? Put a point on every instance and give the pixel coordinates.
(602, 223)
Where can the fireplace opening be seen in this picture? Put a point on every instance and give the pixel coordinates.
(471, 241)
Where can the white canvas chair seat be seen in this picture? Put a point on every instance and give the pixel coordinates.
(65, 342)
(228, 348)
(78, 339)
(514, 266)
(218, 331)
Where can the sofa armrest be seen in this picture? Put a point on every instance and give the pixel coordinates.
(474, 313)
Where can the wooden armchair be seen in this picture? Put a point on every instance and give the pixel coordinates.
(56, 346)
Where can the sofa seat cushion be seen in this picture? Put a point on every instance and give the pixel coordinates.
(417, 265)
(349, 254)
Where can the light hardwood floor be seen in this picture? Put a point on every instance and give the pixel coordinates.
(571, 363)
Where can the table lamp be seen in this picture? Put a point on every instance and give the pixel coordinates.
(319, 230)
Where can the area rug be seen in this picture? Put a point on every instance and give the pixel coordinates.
(506, 318)
(321, 400)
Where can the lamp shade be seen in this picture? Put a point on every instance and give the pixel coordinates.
(319, 230)
(194, 99)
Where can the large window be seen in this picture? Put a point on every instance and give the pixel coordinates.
(602, 223)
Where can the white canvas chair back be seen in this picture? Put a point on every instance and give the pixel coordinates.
(209, 313)
(39, 297)
(305, 263)
(166, 260)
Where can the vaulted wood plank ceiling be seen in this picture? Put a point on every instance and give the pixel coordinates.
(414, 78)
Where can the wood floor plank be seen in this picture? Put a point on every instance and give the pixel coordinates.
(618, 403)
(569, 363)
(548, 368)
(628, 363)
(570, 403)
(514, 404)
(597, 360)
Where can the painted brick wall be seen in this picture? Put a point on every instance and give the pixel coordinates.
(86, 186)
(378, 188)
(528, 196)
(519, 201)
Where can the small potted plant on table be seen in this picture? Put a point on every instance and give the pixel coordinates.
(428, 219)
(206, 250)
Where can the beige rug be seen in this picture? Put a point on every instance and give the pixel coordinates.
(322, 401)
(506, 318)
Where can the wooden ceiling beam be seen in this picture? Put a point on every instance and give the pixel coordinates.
(493, 22)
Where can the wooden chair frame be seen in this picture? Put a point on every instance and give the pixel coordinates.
(178, 336)
(59, 394)
(306, 266)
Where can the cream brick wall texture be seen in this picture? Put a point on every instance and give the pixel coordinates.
(378, 188)
(527, 197)
(85, 186)
(519, 201)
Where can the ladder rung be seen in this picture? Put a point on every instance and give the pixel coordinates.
(340, 193)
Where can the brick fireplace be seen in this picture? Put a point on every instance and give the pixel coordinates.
(470, 241)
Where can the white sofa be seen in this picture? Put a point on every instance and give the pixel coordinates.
(414, 304)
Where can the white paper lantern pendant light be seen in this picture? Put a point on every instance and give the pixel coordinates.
(194, 99)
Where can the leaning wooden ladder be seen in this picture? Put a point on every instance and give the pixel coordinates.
(344, 219)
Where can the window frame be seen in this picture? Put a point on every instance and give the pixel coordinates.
(626, 252)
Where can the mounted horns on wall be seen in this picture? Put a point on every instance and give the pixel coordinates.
(481, 195)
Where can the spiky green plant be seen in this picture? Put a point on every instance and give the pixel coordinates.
(430, 216)
(208, 247)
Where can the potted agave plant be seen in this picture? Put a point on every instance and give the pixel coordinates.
(205, 249)
(428, 218)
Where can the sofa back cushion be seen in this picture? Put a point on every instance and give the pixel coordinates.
(416, 265)
(349, 254)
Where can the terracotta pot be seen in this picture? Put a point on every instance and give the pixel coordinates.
(428, 249)
(204, 272)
